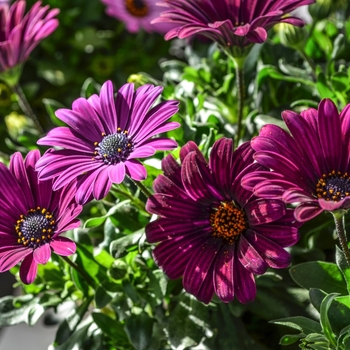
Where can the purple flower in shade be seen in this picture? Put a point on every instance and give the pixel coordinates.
(105, 135)
(211, 230)
(137, 14)
(228, 22)
(32, 217)
(20, 34)
(311, 166)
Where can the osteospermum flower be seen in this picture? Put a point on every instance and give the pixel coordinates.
(211, 230)
(230, 23)
(137, 14)
(105, 135)
(311, 166)
(20, 33)
(33, 217)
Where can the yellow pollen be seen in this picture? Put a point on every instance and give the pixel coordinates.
(103, 134)
(228, 222)
(137, 8)
(38, 240)
(333, 186)
(119, 129)
(95, 143)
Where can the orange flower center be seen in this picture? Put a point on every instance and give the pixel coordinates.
(333, 186)
(228, 222)
(137, 8)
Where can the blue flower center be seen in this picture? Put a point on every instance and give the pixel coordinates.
(333, 186)
(114, 148)
(228, 222)
(35, 228)
(137, 8)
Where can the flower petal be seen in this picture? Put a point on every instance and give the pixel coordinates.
(42, 254)
(28, 270)
(223, 274)
(63, 246)
(261, 211)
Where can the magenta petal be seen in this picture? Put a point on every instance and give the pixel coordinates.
(199, 265)
(306, 211)
(261, 211)
(331, 206)
(244, 283)
(117, 172)
(206, 291)
(28, 270)
(102, 184)
(63, 246)
(249, 257)
(273, 254)
(223, 274)
(13, 257)
(42, 254)
(135, 170)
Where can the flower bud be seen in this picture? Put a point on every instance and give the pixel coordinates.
(321, 9)
(292, 36)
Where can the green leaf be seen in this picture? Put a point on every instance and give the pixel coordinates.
(325, 323)
(323, 88)
(289, 339)
(302, 324)
(110, 327)
(343, 266)
(139, 330)
(24, 308)
(76, 339)
(340, 81)
(97, 221)
(319, 274)
(68, 326)
(121, 246)
(338, 313)
(51, 107)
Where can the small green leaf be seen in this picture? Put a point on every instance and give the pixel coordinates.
(303, 324)
(323, 88)
(51, 107)
(110, 327)
(325, 323)
(343, 266)
(289, 339)
(319, 274)
(121, 246)
(68, 326)
(139, 330)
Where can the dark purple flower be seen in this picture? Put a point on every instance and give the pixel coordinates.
(311, 166)
(137, 14)
(20, 34)
(32, 217)
(211, 230)
(228, 22)
(105, 135)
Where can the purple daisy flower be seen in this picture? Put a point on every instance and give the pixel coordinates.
(32, 217)
(137, 14)
(211, 230)
(105, 135)
(311, 166)
(230, 23)
(20, 34)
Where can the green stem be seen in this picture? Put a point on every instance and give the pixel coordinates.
(143, 188)
(309, 61)
(134, 200)
(77, 268)
(23, 103)
(339, 221)
(239, 65)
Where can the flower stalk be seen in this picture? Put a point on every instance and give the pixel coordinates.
(77, 268)
(25, 106)
(239, 65)
(339, 221)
